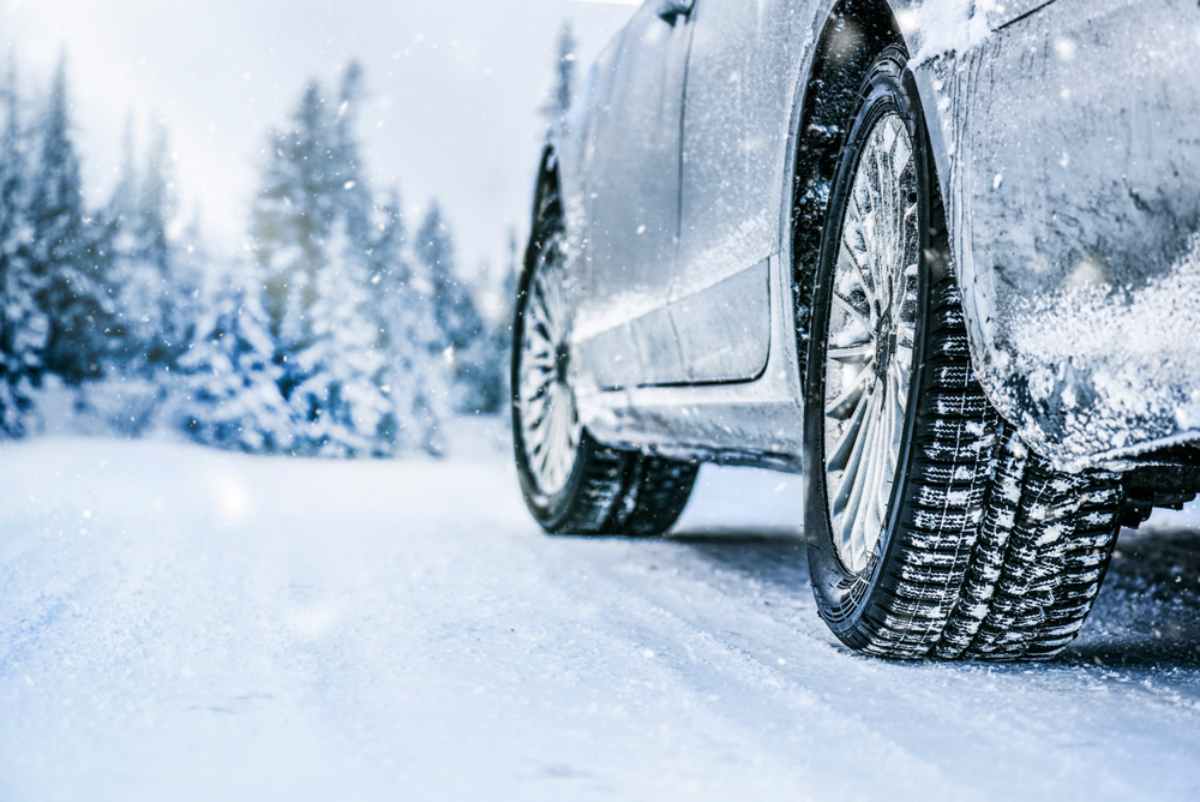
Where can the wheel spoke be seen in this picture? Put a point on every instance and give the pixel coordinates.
(843, 406)
(851, 493)
(870, 518)
(860, 310)
(840, 455)
(543, 311)
(853, 354)
(856, 256)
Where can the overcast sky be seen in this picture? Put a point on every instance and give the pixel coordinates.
(454, 88)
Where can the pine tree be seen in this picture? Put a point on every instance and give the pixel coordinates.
(123, 203)
(331, 261)
(135, 285)
(415, 377)
(349, 172)
(563, 88)
(23, 326)
(500, 293)
(163, 340)
(292, 221)
(339, 403)
(428, 400)
(232, 381)
(459, 326)
(70, 251)
(388, 274)
(191, 264)
(489, 353)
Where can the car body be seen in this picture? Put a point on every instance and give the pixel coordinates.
(695, 171)
(940, 258)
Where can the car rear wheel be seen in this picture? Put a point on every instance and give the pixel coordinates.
(573, 484)
(937, 532)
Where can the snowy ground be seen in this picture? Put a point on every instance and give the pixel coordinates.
(180, 624)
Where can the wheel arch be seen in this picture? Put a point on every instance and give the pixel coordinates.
(852, 34)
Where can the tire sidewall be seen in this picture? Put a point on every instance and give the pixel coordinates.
(844, 597)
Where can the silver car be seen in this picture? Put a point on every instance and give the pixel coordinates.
(939, 258)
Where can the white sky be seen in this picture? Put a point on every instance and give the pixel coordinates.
(454, 90)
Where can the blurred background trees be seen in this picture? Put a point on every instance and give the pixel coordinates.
(340, 331)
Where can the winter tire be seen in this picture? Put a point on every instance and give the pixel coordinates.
(571, 483)
(936, 532)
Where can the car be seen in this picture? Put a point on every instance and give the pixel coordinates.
(940, 258)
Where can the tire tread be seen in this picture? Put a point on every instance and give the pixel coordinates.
(997, 556)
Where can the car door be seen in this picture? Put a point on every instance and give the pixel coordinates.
(633, 192)
(735, 131)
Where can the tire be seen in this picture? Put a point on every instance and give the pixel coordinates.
(595, 489)
(982, 550)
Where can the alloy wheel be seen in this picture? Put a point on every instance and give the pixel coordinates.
(872, 329)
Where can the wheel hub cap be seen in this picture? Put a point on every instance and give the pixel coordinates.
(872, 328)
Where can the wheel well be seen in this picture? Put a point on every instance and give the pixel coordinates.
(854, 34)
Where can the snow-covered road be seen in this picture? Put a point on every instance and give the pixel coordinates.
(180, 624)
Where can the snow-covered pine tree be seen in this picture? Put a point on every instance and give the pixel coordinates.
(23, 325)
(429, 402)
(191, 264)
(70, 254)
(459, 325)
(349, 172)
(157, 258)
(498, 295)
(232, 397)
(488, 354)
(135, 285)
(292, 221)
(388, 272)
(562, 90)
(415, 377)
(338, 402)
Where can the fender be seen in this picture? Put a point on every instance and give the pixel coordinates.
(1066, 152)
